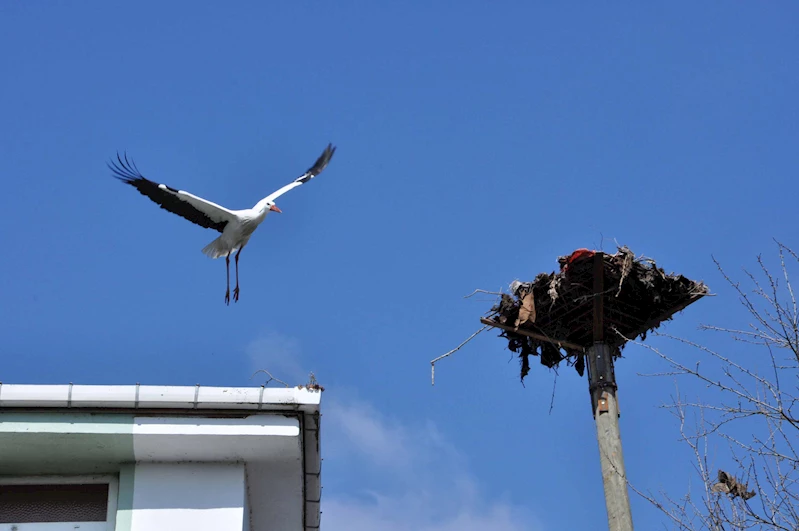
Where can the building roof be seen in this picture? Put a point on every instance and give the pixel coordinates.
(257, 425)
(158, 396)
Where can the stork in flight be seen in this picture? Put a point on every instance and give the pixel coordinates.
(236, 226)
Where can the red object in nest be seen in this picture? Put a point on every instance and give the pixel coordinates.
(579, 254)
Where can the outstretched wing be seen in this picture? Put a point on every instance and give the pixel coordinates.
(188, 206)
(320, 164)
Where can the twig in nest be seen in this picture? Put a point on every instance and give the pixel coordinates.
(626, 267)
(582, 298)
(475, 292)
(270, 378)
(453, 351)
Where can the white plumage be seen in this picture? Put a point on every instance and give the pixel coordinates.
(236, 226)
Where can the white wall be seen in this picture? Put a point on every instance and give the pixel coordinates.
(190, 497)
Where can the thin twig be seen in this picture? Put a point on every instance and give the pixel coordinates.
(270, 378)
(552, 399)
(475, 292)
(453, 351)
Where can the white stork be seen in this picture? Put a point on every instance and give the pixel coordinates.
(236, 226)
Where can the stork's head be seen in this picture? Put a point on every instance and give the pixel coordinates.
(273, 208)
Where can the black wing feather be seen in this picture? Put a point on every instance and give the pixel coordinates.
(127, 172)
(320, 164)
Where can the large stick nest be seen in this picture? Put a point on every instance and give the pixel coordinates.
(559, 307)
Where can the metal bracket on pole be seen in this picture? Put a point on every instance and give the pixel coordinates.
(601, 376)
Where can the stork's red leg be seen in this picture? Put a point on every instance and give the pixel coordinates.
(227, 269)
(236, 291)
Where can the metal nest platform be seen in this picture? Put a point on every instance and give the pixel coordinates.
(595, 297)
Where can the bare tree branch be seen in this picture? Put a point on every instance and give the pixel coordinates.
(750, 404)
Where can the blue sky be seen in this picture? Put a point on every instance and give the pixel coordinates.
(475, 143)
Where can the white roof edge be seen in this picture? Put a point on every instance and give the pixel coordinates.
(158, 396)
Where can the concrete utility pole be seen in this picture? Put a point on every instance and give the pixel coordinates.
(602, 386)
(606, 415)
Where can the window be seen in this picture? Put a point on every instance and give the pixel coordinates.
(87, 503)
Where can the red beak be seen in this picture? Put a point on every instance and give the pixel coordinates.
(274, 208)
